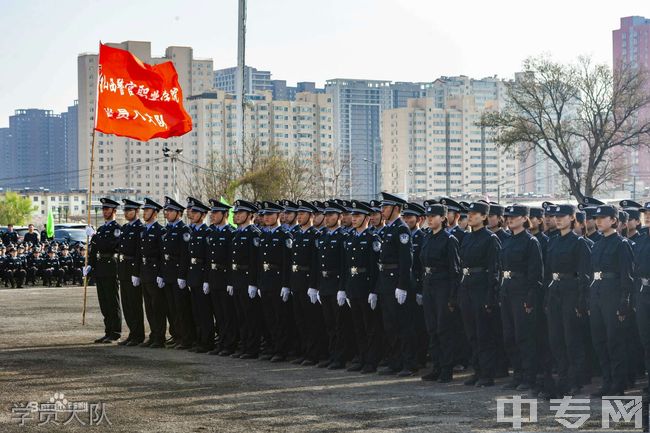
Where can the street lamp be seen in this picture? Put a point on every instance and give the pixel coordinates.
(173, 155)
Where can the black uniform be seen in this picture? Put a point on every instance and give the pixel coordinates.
(34, 268)
(479, 255)
(331, 280)
(52, 270)
(522, 274)
(568, 265)
(361, 256)
(417, 277)
(308, 317)
(67, 264)
(612, 263)
(179, 303)
(273, 274)
(244, 265)
(395, 265)
(197, 274)
(223, 305)
(15, 272)
(31, 238)
(103, 262)
(441, 278)
(10, 238)
(640, 296)
(127, 267)
(150, 258)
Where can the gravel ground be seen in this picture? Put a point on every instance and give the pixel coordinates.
(44, 350)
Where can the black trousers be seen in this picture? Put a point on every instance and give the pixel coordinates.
(203, 317)
(368, 331)
(565, 335)
(16, 277)
(480, 330)
(276, 319)
(399, 327)
(642, 303)
(338, 324)
(155, 306)
(51, 276)
(309, 323)
(248, 317)
(519, 335)
(185, 320)
(608, 334)
(109, 304)
(132, 309)
(171, 316)
(32, 274)
(440, 321)
(223, 307)
(544, 358)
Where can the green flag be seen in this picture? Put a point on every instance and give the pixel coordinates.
(231, 214)
(49, 228)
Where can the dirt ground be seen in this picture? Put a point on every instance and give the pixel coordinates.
(44, 350)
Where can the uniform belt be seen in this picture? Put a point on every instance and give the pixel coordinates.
(298, 268)
(196, 261)
(169, 257)
(428, 270)
(470, 271)
(558, 276)
(387, 266)
(149, 259)
(606, 275)
(237, 267)
(269, 267)
(123, 257)
(356, 271)
(106, 255)
(508, 275)
(327, 274)
(217, 266)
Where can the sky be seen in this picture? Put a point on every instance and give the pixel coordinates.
(301, 40)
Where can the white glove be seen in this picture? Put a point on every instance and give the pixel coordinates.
(318, 297)
(259, 293)
(252, 291)
(340, 297)
(161, 282)
(418, 298)
(284, 293)
(206, 288)
(86, 270)
(400, 295)
(313, 295)
(181, 283)
(230, 290)
(90, 231)
(135, 281)
(372, 300)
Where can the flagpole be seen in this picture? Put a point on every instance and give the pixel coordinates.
(89, 199)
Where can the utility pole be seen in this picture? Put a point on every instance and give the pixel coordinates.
(239, 81)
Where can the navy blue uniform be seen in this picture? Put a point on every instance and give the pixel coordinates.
(197, 274)
(150, 259)
(567, 279)
(179, 303)
(127, 267)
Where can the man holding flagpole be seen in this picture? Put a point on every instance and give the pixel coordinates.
(103, 263)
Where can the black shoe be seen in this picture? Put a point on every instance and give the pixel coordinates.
(133, 343)
(523, 387)
(601, 392)
(336, 365)
(225, 352)
(124, 342)
(513, 384)
(324, 364)
(101, 339)
(355, 367)
(308, 363)
(471, 381)
(146, 343)
(111, 338)
(157, 345)
(193, 349)
(431, 376)
(202, 349)
(214, 352)
(482, 383)
(406, 373)
(501, 373)
(298, 361)
(446, 376)
(278, 358)
(182, 346)
(237, 354)
(387, 371)
(248, 356)
(265, 357)
(367, 369)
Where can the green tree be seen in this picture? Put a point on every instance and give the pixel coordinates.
(15, 209)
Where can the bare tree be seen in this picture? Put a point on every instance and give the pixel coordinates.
(584, 117)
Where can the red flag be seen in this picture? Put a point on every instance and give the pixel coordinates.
(137, 100)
